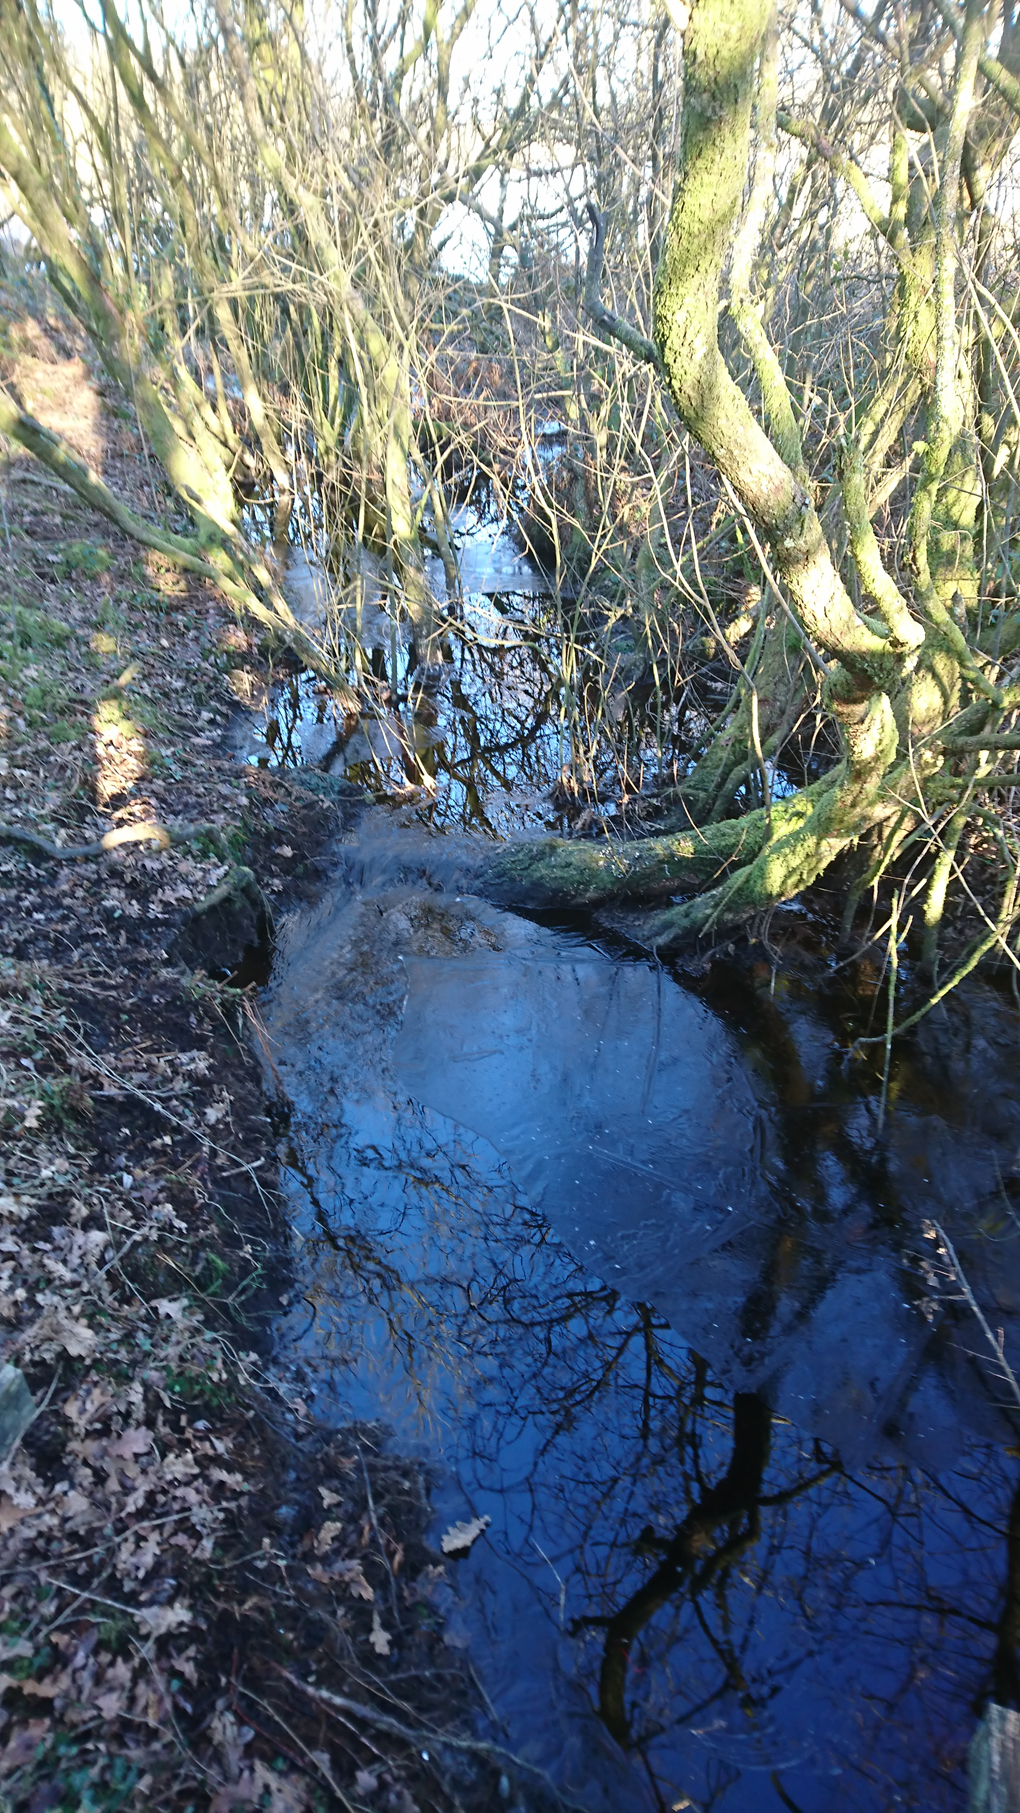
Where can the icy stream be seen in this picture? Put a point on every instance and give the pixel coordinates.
(599, 1248)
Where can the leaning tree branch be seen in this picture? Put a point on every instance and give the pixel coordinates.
(994, 72)
(811, 135)
(613, 325)
(186, 551)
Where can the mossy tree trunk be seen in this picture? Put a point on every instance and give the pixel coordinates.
(904, 682)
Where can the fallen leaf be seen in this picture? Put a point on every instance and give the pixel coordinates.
(328, 1534)
(170, 1307)
(286, 1793)
(185, 1664)
(379, 1638)
(460, 1536)
(31, 1120)
(111, 1701)
(132, 1442)
(284, 850)
(328, 1498)
(243, 1793)
(47, 1690)
(23, 1746)
(354, 1580)
(344, 1573)
(230, 1739)
(10, 1513)
(57, 1327)
(400, 1802)
(158, 1619)
(365, 1782)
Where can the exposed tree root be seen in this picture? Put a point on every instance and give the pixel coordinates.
(148, 832)
(232, 924)
(747, 864)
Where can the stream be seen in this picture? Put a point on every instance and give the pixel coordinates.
(630, 1256)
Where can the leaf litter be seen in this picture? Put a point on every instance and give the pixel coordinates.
(187, 1586)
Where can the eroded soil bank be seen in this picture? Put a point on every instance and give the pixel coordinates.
(190, 1564)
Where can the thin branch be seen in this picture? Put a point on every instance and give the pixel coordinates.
(636, 342)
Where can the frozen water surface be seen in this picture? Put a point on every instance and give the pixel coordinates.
(629, 1267)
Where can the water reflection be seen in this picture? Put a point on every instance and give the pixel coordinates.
(685, 1597)
(535, 679)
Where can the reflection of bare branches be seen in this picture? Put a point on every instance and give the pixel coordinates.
(789, 1581)
(732, 1499)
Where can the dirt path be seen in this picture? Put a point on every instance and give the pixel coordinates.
(193, 1573)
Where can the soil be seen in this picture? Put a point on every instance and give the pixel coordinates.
(207, 1598)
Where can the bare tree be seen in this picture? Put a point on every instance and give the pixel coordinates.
(889, 597)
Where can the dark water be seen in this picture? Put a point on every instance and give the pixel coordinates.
(631, 1260)
(518, 695)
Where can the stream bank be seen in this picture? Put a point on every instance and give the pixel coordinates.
(664, 1300)
(179, 1533)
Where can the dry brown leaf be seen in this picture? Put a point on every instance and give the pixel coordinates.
(116, 1687)
(185, 1664)
(132, 1442)
(379, 1638)
(57, 1328)
(242, 1793)
(328, 1498)
(47, 1690)
(158, 1619)
(173, 1308)
(287, 1794)
(10, 1513)
(460, 1536)
(180, 1466)
(344, 1573)
(401, 1802)
(327, 1535)
(354, 1580)
(24, 1742)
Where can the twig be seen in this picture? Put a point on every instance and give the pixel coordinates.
(614, 325)
(378, 1535)
(997, 1346)
(474, 1746)
(314, 1761)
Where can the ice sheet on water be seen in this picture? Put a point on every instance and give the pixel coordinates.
(625, 1112)
(619, 1101)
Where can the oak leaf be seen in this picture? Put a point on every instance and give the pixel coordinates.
(460, 1536)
